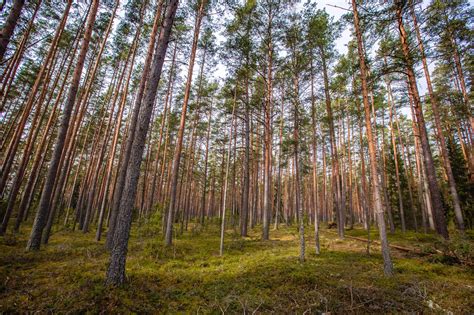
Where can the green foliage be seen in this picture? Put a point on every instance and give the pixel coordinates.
(154, 222)
(457, 250)
(464, 187)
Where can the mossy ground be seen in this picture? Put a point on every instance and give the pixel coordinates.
(253, 276)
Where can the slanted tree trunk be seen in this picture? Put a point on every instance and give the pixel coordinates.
(122, 171)
(9, 74)
(363, 188)
(459, 71)
(42, 214)
(45, 68)
(118, 123)
(439, 129)
(438, 211)
(388, 266)
(9, 27)
(31, 140)
(118, 256)
(67, 157)
(101, 152)
(45, 142)
(164, 120)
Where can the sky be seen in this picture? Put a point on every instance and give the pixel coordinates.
(336, 9)
(330, 7)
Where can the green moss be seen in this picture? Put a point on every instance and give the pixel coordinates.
(253, 275)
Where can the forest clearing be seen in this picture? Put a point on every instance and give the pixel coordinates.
(237, 156)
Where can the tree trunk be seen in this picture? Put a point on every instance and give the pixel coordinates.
(9, 73)
(116, 269)
(397, 172)
(206, 160)
(41, 215)
(10, 24)
(232, 126)
(315, 165)
(13, 145)
(164, 119)
(298, 206)
(280, 149)
(118, 124)
(439, 129)
(267, 162)
(36, 123)
(388, 266)
(336, 187)
(438, 211)
(179, 141)
(122, 170)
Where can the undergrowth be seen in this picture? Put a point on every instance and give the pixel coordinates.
(253, 276)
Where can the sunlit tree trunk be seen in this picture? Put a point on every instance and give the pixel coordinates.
(439, 129)
(42, 213)
(39, 81)
(438, 211)
(34, 131)
(388, 266)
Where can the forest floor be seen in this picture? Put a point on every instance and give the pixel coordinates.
(253, 276)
